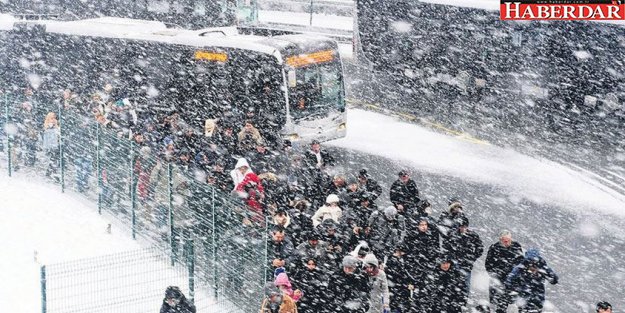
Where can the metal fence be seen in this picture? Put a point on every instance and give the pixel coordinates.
(132, 281)
(159, 200)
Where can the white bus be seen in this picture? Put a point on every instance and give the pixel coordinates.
(293, 82)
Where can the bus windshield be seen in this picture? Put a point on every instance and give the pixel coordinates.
(245, 86)
(315, 91)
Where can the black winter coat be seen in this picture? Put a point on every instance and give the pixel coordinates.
(464, 249)
(373, 188)
(422, 250)
(183, 307)
(310, 160)
(405, 194)
(350, 292)
(398, 271)
(301, 225)
(446, 291)
(501, 260)
(314, 286)
(280, 250)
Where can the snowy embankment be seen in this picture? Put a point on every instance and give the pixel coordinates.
(40, 225)
(538, 180)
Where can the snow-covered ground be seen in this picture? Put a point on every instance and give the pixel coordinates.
(36, 217)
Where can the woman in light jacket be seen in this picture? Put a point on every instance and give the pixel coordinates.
(51, 136)
(330, 210)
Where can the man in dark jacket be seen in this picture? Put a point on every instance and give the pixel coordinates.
(350, 288)
(404, 193)
(501, 258)
(387, 230)
(369, 185)
(527, 281)
(465, 247)
(317, 158)
(450, 218)
(446, 288)
(280, 250)
(423, 250)
(398, 271)
(176, 302)
(356, 221)
(312, 282)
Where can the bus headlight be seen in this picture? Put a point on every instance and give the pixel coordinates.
(342, 126)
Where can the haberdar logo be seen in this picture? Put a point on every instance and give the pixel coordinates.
(562, 10)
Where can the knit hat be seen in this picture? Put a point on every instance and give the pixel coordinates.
(349, 261)
(370, 260)
(332, 199)
(390, 212)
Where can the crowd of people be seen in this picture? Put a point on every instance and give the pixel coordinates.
(333, 247)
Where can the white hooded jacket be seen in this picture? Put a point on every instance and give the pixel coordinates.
(237, 176)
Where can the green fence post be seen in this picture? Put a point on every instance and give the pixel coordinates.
(214, 244)
(170, 196)
(133, 191)
(6, 115)
(97, 166)
(61, 156)
(44, 303)
(191, 267)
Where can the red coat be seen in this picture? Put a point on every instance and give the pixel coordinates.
(254, 194)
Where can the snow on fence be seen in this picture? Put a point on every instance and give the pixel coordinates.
(192, 223)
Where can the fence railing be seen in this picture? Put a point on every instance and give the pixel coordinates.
(132, 281)
(159, 199)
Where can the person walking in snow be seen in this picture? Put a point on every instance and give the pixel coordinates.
(379, 296)
(464, 246)
(450, 218)
(283, 282)
(312, 281)
(501, 258)
(387, 230)
(527, 282)
(276, 302)
(349, 287)
(445, 286)
(51, 141)
(404, 193)
(330, 210)
(317, 158)
(369, 185)
(176, 302)
(398, 271)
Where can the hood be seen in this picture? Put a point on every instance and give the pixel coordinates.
(533, 255)
(283, 280)
(242, 162)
